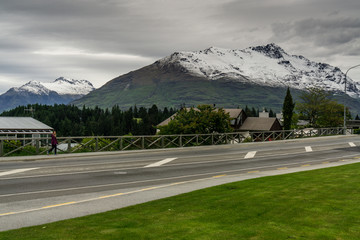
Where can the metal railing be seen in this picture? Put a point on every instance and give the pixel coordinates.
(10, 146)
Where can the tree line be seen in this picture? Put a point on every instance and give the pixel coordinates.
(316, 107)
(69, 120)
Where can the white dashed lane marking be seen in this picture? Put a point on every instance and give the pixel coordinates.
(16, 171)
(250, 154)
(352, 144)
(308, 149)
(157, 164)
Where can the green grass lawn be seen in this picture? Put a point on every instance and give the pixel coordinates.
(319, 204)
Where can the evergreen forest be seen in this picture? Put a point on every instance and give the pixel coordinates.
(69, 120)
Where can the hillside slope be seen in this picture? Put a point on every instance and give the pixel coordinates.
(256, 76)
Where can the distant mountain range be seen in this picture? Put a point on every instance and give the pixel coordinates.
(62, 90)
(255, 76)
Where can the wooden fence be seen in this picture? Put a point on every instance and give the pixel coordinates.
(10, 146)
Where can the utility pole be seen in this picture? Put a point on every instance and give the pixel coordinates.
(345, 96)
(31, 110)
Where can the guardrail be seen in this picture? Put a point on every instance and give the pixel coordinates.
(10, 146)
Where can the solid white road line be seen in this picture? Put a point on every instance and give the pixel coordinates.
(308, 149)
(352, 144)
(250, 154)
(157, 164)
(16, 171)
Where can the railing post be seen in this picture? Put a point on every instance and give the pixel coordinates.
(37, 144)
(180, 141)
(143, 142)
(1, 147)
(121, 143)
(69, 145)
(96, 144)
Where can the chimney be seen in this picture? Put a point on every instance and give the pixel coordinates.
(263, 114)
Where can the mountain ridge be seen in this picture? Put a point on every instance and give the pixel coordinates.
(265, 65)
(255, 76)
(60, 91)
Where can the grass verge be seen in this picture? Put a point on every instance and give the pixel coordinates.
(319, 204)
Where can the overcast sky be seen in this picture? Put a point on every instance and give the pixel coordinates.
(98, 40)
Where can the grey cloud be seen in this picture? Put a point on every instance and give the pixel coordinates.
(61, 9)
(334, 31)
(153, 29)
(138, 27)
(339, 33)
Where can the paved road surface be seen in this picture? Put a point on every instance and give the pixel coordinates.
(41, 189)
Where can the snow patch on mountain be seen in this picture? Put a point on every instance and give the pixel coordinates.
(61, 86)
(266, 65)
(34, 87)
(70, 86)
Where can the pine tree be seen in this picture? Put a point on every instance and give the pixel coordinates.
(288, 110)
(271, 113)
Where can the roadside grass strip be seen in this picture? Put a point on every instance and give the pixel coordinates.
(318, 204)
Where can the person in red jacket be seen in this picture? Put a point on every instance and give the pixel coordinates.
(54, 142)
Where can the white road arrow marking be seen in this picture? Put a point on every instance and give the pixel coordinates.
(352, 144)
(162, 162)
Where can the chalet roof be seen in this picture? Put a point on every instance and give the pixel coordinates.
(22, 125)
(166, 121)
(234, 112)
(260, 124)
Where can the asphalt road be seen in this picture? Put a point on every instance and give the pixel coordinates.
(37, 190)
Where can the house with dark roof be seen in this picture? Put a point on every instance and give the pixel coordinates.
(240, 122)
(261, 124)
(237, 117)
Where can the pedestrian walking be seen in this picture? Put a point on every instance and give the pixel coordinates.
(54, 142)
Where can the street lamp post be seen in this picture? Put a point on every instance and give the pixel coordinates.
(345, 96)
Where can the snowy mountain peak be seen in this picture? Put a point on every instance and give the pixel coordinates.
(34, 87)
(63, 79)
(271, 50)
(267, 65)
(64, 86)
(61, 86)
(61, 91)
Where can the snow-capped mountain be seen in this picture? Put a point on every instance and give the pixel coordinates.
(61, 86)
(61, 91)
(255, 77)
(266, 65)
